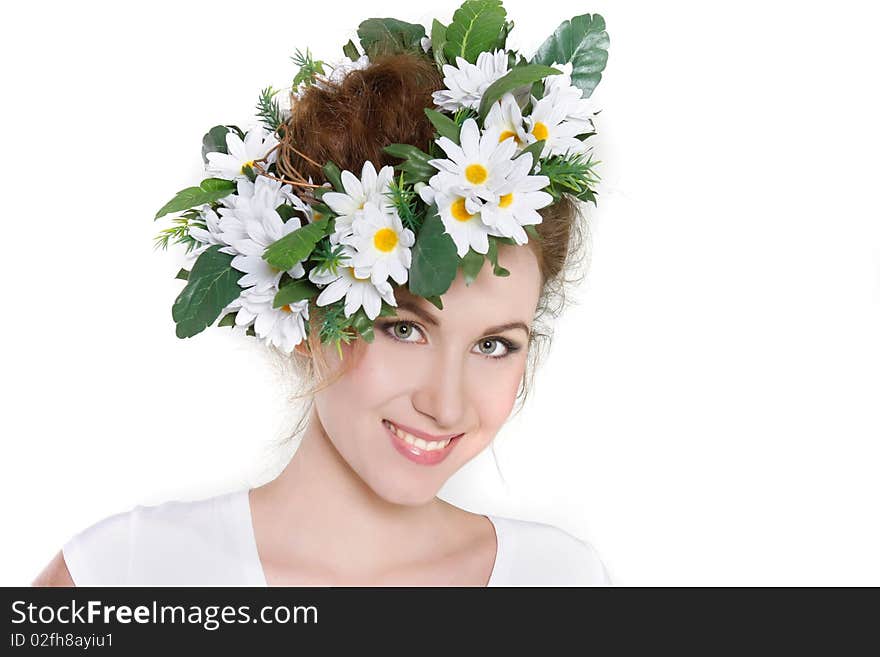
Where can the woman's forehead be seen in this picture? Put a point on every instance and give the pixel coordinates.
(488, 301)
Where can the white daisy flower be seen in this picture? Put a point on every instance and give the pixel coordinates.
(466, 82)
(371, 188)
(475, 169)
(212, 234)
(355, 285)
(506, 117)
(257, 142)
(547, 122)
(382, 245)
(518, 204)
(559, 87)
(253, 224)
(226, 228)
(466, 228)
(282, 327)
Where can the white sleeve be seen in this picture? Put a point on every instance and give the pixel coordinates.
(99, 555)
(579, 558)
(545, 555)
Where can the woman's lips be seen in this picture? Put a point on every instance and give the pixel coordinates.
(416, 454)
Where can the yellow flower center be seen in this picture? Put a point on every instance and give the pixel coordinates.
(476, 174)
(459, 211)
(317, 216)
(505, 200)
(540, 131)
(355, 276)
(385, 239)
(507, 134)
(249, 163)
(286, 308)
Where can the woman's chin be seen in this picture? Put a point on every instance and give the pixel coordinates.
(406, 494)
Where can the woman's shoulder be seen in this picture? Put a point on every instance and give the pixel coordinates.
(174, 542)
(534, 553)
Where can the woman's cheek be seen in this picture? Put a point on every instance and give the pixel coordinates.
(497, 400)
(384, 370)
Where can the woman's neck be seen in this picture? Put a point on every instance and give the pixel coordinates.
(319, 511)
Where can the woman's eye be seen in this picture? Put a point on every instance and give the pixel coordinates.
(489, 347)
(402, 330)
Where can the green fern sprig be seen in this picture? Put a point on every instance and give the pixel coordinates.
(328, 257)
(463, 114)
(308, 67)
(178, 233)
(269, 110)
(335, 326)
(570, 174)
(405, 200)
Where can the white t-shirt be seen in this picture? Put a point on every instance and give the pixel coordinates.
(210, 542)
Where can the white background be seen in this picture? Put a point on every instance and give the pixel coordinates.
(709, 410)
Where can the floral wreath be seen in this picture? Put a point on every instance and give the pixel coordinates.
(511, 138)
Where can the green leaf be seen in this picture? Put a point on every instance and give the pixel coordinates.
(210, 190)
(471, 265)
(533, 232)
(228, 319)
(517, 77)
(533, 149)
(444, 126)
(362, 324)
(211, 185)
(283, 254)
(183, 275)
(417, 172)
(497, 269)
(505, 30)
(389, 35)
(285, 211)
(582, 41)
(415, 161)
(434, 258)
(407, 151)
(436, 300)
(333, 175)
(350, 50)
(212, 285)
(438, 43)
(214, 140)
(476, 27)
(296, 290)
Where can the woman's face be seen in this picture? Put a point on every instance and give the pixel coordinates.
(440, 372)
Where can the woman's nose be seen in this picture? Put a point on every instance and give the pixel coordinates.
(442, 393)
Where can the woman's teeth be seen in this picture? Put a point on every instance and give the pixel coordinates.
(418, 442)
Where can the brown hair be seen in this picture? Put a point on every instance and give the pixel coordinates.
(350, 122)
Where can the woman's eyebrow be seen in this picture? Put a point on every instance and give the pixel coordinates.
(415, 309)
(430, 319)
(504, 327)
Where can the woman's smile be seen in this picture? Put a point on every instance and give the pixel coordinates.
(418, 449)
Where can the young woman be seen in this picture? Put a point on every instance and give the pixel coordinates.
(389, 422)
